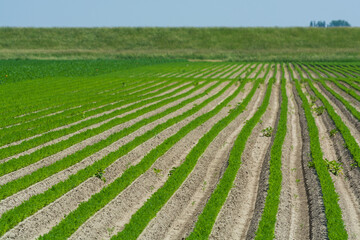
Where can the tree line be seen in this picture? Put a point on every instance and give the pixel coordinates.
(333, 23)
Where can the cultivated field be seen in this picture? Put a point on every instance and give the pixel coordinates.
(195, 150)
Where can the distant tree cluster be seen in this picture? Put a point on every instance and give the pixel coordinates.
(333, 23)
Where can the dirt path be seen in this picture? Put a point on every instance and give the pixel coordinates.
(40, 187)
(292, 218)
(44, 220)
(235, 216)
(119, 211)
(181, 211)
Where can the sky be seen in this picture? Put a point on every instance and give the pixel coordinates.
(171, 13)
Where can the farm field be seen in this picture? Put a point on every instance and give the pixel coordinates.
(180, 150)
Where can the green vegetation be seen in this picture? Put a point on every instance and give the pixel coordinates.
(241, 44)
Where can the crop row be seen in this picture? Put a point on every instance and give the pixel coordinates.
(21, 183)
(35, 203)
(69, 116)
(110, 118)
(67, 226)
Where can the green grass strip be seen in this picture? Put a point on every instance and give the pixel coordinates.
(266, 229)
(206, 219)
(14, 216)
(97, 201)
(335, 224)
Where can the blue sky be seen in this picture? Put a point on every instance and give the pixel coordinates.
(164, 13)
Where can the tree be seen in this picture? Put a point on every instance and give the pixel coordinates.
(318, 24)
(339, 23)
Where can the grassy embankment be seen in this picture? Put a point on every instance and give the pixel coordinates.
(246, 44)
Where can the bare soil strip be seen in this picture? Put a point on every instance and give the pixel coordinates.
(76, 147)
(244, 73)
(263, 71)
(108, 104)
(317, 218)
(295, 73)
(232, 71)
(219, 70)
(224, 71)
(293, 214)
(348, 202)
(42, 186)
(353, 101)
(44, 220)
(235, 216)
(206, 72)
(350, 121)
(65, 137)
(119, 211)
(180, 212)
(253, 74)
(239, 72)
(85, 119)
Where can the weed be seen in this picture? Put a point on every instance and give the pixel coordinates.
(297, 180)
(267, 132)
(333, 166)
(100, 175)
(311, 164)
(333, 132)
(204, 186)
(319, 110)
(110, 230)
(157, 171)
(172, 171)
